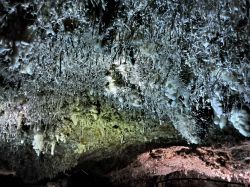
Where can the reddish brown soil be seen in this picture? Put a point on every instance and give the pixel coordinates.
(230, 163)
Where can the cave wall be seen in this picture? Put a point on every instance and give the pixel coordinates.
(80, 77)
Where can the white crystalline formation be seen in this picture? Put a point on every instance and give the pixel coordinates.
(239, 118)
(241, 121)
(172, 87)
(38, 143)
(220, 118)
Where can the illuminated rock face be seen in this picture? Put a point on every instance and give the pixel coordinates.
(180, 165)
(97, 76)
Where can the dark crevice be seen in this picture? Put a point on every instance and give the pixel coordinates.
(15, 24)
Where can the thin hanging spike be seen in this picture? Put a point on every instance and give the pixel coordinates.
(60, 63)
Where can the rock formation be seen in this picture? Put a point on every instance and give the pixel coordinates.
(88, 81)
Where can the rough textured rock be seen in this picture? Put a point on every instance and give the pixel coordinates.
(90, 79)
(218, 164)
